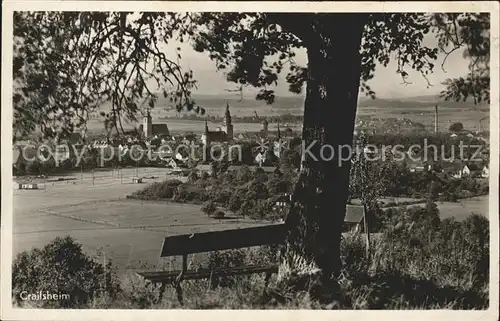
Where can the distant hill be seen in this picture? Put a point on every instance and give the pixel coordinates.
(419, 102)
(293, 104)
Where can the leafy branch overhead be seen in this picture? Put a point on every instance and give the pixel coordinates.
(256, 48)
(469, 32)
(67, 65)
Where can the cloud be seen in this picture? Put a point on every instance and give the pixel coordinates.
(386, 83)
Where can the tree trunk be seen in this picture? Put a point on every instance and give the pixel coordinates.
(318, 206)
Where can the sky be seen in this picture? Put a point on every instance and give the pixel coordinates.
(386, 83)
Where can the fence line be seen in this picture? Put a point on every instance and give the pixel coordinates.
(128, 176)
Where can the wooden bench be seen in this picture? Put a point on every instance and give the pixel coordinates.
(183, 245)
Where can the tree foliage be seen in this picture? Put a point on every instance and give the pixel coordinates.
(209, 208)
(255, 48)
(469, 32)
(456, 127)
(67, 65)
(62, 267)
(369, 177)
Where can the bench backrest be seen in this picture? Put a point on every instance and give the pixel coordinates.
(223, 240)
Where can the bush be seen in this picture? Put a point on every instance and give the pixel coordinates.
(219, 214)
(158, 190)
(189, 192)
(235, 202)
(204, 176)
(247, 207)
(225, 260)
(33, 168)
(62, 267)
(209, 208)
(193, 176)
(222, 196)
(243, 175)
(456, 127)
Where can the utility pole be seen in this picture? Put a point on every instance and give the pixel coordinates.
(436, 119)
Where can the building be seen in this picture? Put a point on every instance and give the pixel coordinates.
(282, 203)
(182, 156)
(204, 168)
(269, 169)
(242, 136)
(485, 172)
(451, 168)
(260, 158)
(459, 170)
(471, 170)
(148, 129)
(265, 169)
(174, 163)
(223, 134)
(419, 167)
(353, 221)
(353, 218)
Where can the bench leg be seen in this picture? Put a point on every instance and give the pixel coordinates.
(178, 280)
(266, 280)
(213, 281)
(162, 291)
(178, 291)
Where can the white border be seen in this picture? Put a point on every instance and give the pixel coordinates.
(8, 313)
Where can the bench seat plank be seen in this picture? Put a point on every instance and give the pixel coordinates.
(167, 276)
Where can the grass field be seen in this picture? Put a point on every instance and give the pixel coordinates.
(463, 208)
(130, 232)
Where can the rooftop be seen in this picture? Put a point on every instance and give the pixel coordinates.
(353, 214)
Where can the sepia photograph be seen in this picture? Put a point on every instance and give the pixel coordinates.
(177, 157)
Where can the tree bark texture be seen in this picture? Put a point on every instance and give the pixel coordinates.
(318, 205)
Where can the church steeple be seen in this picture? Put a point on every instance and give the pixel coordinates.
(228, 127)
(227, 115)
(147, 124)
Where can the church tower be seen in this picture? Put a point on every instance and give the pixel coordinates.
(147, 124)
(228, 126)
(205, 137)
